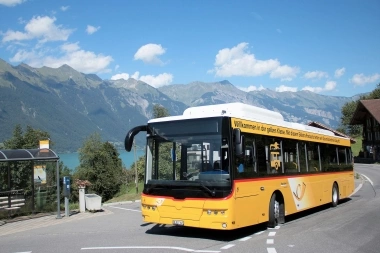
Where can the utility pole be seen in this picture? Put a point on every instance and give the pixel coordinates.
(136, 176)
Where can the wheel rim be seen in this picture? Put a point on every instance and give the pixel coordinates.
(335, 195)
(276, 209)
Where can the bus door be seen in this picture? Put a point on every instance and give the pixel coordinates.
(247, 187)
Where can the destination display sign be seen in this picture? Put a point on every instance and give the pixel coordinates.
(291, 133)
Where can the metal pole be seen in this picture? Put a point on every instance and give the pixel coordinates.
(67, 209)
(136, 176)
(58, 195)
(33, 192)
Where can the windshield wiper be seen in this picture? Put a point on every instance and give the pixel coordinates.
(207, 189)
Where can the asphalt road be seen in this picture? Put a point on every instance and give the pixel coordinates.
(351, 227)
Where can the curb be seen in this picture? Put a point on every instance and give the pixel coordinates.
(120, 203)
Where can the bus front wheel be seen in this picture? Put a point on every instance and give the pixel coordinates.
(335, 195)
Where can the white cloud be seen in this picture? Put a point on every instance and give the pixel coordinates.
(339, 72)
(330, 85)
(42, 28)
(283, 88)
(238, 61)
(71, 54)
(149, 53)
(11, 3)
(251, 88)
(315, 75)
(285, 72)
(361, 79)
(124, 76)
(117, 67)
(159, 80)
(65, 8)
(92, 29)
(155, 81)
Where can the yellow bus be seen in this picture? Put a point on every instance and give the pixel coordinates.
(287, 167)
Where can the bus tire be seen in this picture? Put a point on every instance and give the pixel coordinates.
(335, 195)
(274, 212)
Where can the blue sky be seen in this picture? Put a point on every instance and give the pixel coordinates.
(328, 47)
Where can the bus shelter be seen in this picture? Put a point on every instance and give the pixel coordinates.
(32, 159)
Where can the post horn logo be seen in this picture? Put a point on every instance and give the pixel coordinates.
(300, 191)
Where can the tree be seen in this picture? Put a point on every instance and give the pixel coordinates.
(100, 164)
(160, 111)
(348, 110)
(375, 94)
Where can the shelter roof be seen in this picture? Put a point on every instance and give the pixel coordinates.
(27, 155)
(364, 107)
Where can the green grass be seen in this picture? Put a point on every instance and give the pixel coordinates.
(356, 147)
(128, 193)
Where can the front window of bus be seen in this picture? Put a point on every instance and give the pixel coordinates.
(187, 158)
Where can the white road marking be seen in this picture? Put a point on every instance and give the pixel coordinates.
(259, 233)
(369, 180)
(133, 210)
(356, 190)
(270, 241)
(245, 239)
(271, 250)
(272, 234)
(227, 246)
(150, 247)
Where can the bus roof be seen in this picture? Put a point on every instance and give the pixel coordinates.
(242, 111)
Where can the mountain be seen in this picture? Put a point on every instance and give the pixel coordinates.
(71, 105)
(301, 106)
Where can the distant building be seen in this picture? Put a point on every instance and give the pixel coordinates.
(367, 113)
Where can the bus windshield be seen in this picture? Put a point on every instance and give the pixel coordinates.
(187, 158)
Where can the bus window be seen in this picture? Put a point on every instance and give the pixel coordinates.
(290, 156)
(329, 157)
(302, 157)
(313, 157)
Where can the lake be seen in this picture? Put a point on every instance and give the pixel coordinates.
(71, 160)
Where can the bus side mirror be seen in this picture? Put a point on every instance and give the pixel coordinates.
(240, 147)
(236, 136)
(128, 141)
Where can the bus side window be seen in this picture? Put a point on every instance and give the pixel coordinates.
(290, 156)
(302, 157)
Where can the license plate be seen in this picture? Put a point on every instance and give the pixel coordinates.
(178, 222)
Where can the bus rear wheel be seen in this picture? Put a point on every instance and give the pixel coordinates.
(335, 195)
(274, 212)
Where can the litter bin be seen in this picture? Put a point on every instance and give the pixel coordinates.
(93, 202)
(41, 199)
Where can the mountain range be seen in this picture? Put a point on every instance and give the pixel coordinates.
(71, 105)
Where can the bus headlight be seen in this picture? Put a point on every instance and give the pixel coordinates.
(222, 212)
(149, 207)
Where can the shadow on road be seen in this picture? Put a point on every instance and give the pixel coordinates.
(231, 235)
(218, 235)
